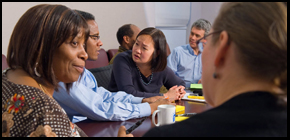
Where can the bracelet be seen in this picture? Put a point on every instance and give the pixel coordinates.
(166, 97)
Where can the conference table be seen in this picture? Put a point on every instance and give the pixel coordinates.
(110, 128)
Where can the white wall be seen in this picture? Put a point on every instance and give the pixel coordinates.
(177, 36)
(206, 10)
(149, 9)
(172, 14)
(172, 19)
(109, 16)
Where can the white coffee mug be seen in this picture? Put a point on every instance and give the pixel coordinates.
(166, 115)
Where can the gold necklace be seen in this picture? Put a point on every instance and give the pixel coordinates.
(44, 90)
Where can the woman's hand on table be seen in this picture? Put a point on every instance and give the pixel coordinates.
(175, 92)
(182, 92)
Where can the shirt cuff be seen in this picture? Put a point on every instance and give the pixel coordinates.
(145, 109)
(136, 100)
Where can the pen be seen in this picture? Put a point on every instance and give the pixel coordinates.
(138, 123)
(186, 114)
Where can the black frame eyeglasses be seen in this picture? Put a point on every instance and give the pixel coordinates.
(95, 37)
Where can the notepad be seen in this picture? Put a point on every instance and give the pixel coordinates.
(180, 118)
(179, 109)
(195, 97)
(195, 86)
(185, 97)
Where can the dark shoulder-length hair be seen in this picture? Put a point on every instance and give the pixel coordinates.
(159, 58)
(37, 35)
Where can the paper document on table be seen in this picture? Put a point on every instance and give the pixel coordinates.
(180, 118)
(185, 97)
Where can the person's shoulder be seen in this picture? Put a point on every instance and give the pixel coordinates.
(45, 101)
(180, 49)
(167, 69)
(87, 73)
(124, 54)
(154, 132)
(123, 57)
(36, 100)
(45, 108)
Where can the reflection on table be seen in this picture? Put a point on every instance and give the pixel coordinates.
(110, 128)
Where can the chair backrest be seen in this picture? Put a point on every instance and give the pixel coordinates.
(111, 53)
(102, 75)
(4, 62)
(100, 62)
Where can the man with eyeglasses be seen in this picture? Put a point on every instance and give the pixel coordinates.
(185, 60)
(86, 100)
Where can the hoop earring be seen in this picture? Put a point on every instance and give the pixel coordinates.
(35, 71)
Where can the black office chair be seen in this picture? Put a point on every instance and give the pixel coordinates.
(102, 75)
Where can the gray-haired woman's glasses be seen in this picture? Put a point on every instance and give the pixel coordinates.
(201, 42)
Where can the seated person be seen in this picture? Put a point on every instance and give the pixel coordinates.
(142, 71)
(86, 99)
(185, 60)
(126, 36)
(244, 76)
(37, 61)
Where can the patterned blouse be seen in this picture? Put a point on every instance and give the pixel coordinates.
(28, 112)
